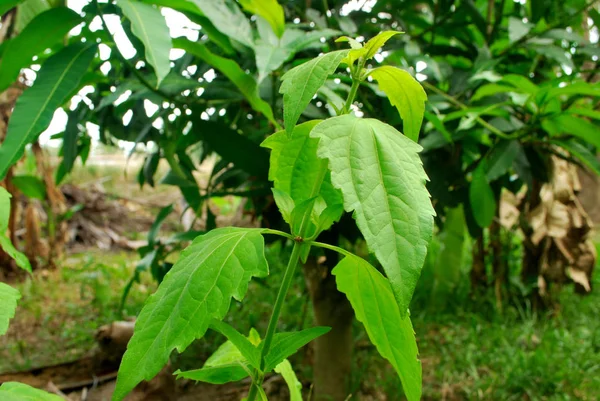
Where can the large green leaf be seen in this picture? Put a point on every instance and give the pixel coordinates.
(388, 328)
(46, 30)
(8, 305)
(406, 94)
(270, 10)
(148, 24)
(382, 179)
(376, 42)
(227, 18)
(481, 196)
(7, 5)
(301, 83)
(220, 374)
(13, 391)
(244, 82)
(198, 288)
(58, 78)
(501, 158)
(30, 186)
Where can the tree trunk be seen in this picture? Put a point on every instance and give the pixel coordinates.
(478, 274)
(333, 351)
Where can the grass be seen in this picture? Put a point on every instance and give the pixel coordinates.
(469, 351)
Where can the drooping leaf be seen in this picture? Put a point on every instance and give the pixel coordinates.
(158, 222)
(5, 242)
(4, 209)
(228, 18)
(149, 26)
(389, 329)
(13, 391)
(287, 372)
(287, 344)
(46, 30)
(8, 305)
(270, 10)
(220, 374)
(382, 180)
(375, 43)
(301, 83)
(244, 82)
(406, 94)
(59, 77)
(481, 196)
(214, 268)
(30, 186)
(285, 204)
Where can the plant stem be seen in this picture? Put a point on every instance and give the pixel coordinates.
(283, 290)
(277, 232)
(331, 247)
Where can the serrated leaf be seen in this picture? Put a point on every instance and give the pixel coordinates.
(375, 43)
(388, 328)
(481, 196)
(30, 186)
(270, 10)
(301, 83)
(287, 372)
(501, 158)
(13, 391)
(214, 268)
(228, 18)
(382, 180)
(46, 30)
(58, 78)
(287, 344)
(244, 82)
(8, 305)
(295, 168)
(406, 94)
(244, 346)
(149, 26)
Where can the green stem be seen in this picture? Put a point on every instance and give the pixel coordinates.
(330, 247)
(277, 232)
(283, 290)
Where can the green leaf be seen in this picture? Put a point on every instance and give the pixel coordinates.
(301, 83)
(448, 264)
(8, 305)
(301, 218)
(285, 204)
(244, 82)
(406, 94)
(27, 11)
(287, 372)
(30, 186)
(287, 344)
(5, 242)
(148, 24)
(7, 5)
(246, 348)
(375, 43)
(581, 111)
(13, 391)
(581, 152)
(160, 218)
(4, 209)
(517, 29)
(481, 196)
(227, 17)
(577, 88)
(269, 58)
(493, 89)
(295, 168)
(58, 78)
(215, 374)
(439, 125)
(501, 158)
(46, 30)
(270, 10)
(568, 124)
(198, 288)
(382, 179)
(388, 327)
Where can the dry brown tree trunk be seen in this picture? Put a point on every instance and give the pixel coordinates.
(333, 351)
